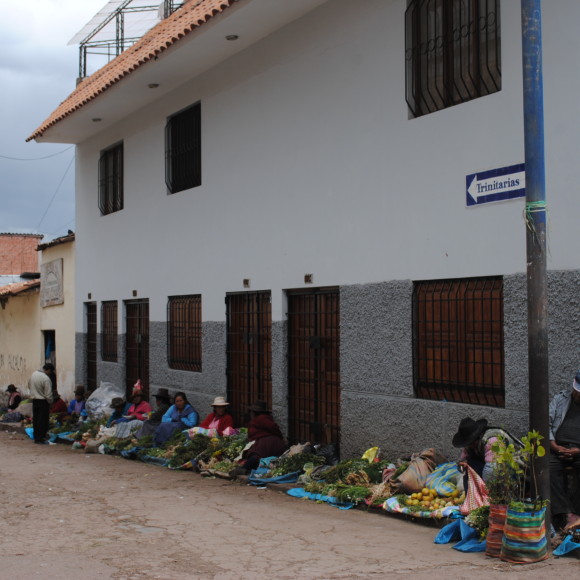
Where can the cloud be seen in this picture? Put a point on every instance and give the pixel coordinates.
(38, 71)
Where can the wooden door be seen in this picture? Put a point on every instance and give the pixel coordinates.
(249, 351)
(137, 345)
(91, 346)
(314, 366)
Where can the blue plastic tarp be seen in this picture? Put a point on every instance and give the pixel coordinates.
(300, 492)
(255, 479)
(467, 538)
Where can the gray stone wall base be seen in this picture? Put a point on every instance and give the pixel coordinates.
(378, 406)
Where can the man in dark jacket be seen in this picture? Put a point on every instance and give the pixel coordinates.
(565, 452)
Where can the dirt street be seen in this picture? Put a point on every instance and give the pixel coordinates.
(67, 514)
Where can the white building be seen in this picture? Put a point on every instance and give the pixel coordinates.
(272, 203)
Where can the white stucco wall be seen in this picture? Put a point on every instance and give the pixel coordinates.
(61, 318)
(19, 340)
(311, 165)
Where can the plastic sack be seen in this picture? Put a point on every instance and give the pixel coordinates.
(98, 404)
(421, 465)
(458, 530)
(371, 454)
(445, 479)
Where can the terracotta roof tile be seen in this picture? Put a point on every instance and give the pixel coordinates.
(18, 288)
(62, 240)
(162, 36)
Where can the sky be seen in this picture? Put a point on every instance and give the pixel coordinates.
(38, 71)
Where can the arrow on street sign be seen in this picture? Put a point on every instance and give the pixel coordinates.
(496, 185)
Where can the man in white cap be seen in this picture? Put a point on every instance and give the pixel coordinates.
(565, 452)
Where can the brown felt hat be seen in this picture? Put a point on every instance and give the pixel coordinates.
(259, 407)
(162, 394)
(117, 402)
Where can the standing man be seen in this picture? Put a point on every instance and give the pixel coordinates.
(40, 387)
(565, 451)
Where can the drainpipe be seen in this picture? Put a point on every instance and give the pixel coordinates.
(535, 214)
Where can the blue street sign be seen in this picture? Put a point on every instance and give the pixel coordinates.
(495, 185)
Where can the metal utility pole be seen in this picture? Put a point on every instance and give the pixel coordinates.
(535, 214)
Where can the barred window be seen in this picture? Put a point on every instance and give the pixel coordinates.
(109, 331)
(183, 150)
(111, 179)
(452, 52)
(458, 346)
(184, 332)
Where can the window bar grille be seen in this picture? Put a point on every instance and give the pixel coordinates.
(183, 150)
(452, 52)
(184, 332)
(109, 331)
(458, 341)
(91, 345)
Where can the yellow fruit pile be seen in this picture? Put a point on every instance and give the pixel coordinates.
(430, 500)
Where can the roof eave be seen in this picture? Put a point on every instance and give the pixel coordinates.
(122, 86)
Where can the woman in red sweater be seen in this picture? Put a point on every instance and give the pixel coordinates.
(220, 419)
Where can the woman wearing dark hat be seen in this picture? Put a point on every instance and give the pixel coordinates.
(267, 437)
(476, 438)
(162, 404)
(120, 408)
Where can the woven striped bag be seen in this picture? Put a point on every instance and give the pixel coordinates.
(494, 539)
(524, 538)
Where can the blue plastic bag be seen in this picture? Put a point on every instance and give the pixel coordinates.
(567, 546)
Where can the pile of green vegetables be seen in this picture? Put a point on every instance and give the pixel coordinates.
(293, 463)
(222, 448)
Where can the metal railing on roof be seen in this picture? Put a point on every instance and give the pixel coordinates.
(109, 48)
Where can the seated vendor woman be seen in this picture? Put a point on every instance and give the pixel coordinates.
(476, 439)
(58, 408)
(180, 416)
(267, 437)
(139, 410)
(77, 405)
(14, 398)
(120, 409)
(220, 419)
(162, 403)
